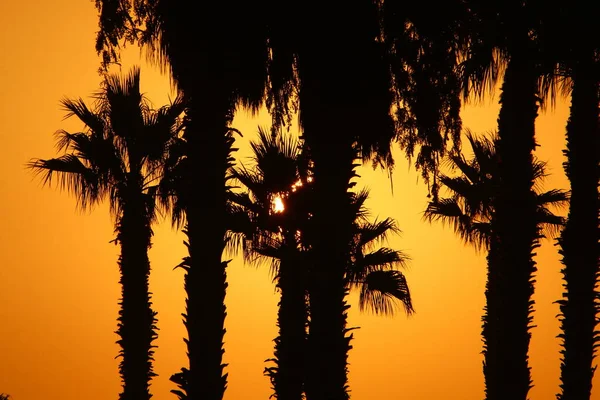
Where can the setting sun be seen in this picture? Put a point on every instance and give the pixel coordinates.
(278, 204)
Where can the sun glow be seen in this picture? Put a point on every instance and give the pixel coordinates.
(278, 204)
(299, 183)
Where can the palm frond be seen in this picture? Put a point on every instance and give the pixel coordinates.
(372, 233)
(78, 108)
(448, 211)
(381, 259)
(549, 224)
(382, 290)
(73, 176)
(554, 198)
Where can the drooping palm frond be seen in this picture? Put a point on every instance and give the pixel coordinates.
(382, 290)
(366, 259)
(73, 176)
(97, 150)
(381, 259)
(471, 231)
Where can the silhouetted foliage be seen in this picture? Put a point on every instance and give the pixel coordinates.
(117, 158)
(423, 49)
(506, 37)
(382, 71)
(217, 56)
(336, 80)
(277, 237)
(470, 207)
(473, 197)
(575, 44)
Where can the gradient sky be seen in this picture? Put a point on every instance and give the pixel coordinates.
(58, 272)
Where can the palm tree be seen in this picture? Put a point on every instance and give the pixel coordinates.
(217, 58)
(336, 80)
(576, 50)
(509, 37)
(276, 236)
(373, 269)
(471, 207)
(330, 82)
(116, 159)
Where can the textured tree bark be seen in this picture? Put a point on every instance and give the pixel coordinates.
(292, 318)
(137, 322)
(511, 268)
(579, 239)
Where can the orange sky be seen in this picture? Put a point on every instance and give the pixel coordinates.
(58, 272)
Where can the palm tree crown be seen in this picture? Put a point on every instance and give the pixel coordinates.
(469, 208)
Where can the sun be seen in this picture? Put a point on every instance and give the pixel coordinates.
(278, 206)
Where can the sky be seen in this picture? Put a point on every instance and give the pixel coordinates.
(59, 277)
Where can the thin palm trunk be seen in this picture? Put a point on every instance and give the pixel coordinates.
(290, 345)
(579, 239)
(137, 322)
(511, 268)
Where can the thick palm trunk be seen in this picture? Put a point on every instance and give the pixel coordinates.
(287, 377)
(136, 319)
(327, 339)
(579, 239)
(205, 279)
(511, 267)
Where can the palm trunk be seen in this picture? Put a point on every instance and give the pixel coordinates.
(137, 321)
(579, 239)
(511, 268)
(205, 278)
(287, 377)
(328, 344)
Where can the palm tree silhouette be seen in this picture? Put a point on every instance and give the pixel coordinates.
(373, 269)
(117, 158)
(335, 80)
(274, 236)
(510, 37)
(471, 208)
(217, 58)
(280, 172)
(576, 50)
